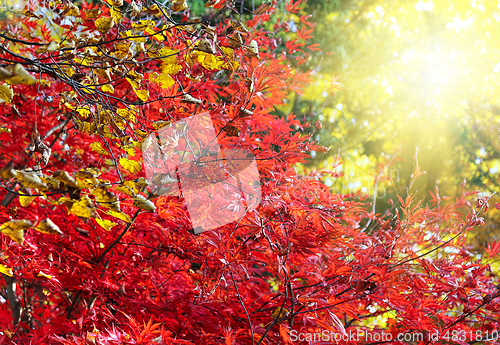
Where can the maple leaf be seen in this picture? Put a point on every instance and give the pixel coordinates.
(47, 226)
(104, 24)
(130, 165)
(16, 74)
(106, 224)
(15, 229)
(6, 93)
(179, 5)
(141, 202)
(6, 270)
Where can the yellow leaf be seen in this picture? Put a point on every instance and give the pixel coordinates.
(127, 114)
(140, 182)
(153, 31)
(165, 80)
(15, 229)
(140, 133)
(103, 25)
(106, 199)
(116, 14)
(93, 13)
(154, 10)
(142, 94)
(121, 124)
(88, 88)
(16, 74)
(144, 204)
(97, 147)
(129, 190)
(71, 10)
(179, 5)
(134, 79)
(206, 46)
(231, 65)
(130, 165)
(86, 61)
(51, 182)
(117, 3)
(16, 235)
(210, 61)
(81, 211)
(48, 227)
(170, 68)
(65, 201)
(44, 82)
(160, 124)
(5, 73)
(52, 46)
(6, 270)
(64, 177)
(122, 216)
(106, 224)
(87, 173)
(228, 52)
(130, 150)
(26, 200)
(106, 132)
(168, 55)
(84, 112)
(41, 274)
(30, 180)
(189, 60)
(133, 37)
(104, 73)
(153, 77)
(87, 182)
(161, 37)
(6, 93)
(83, 208)
(108, 88)
(143, 24)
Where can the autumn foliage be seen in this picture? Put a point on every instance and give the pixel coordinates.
(90, 255)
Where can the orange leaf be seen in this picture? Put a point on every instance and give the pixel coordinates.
(285, 333)
(343, 270)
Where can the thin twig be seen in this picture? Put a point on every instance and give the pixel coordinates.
(244, 308)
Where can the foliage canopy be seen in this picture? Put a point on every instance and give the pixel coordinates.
(90, 255)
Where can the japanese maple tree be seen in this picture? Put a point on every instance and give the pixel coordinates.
(92, 254)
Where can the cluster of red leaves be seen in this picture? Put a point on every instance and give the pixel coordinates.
(303, 260)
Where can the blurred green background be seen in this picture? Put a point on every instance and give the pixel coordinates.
(416, 75)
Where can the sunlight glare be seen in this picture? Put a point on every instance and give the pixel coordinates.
(440, 68)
